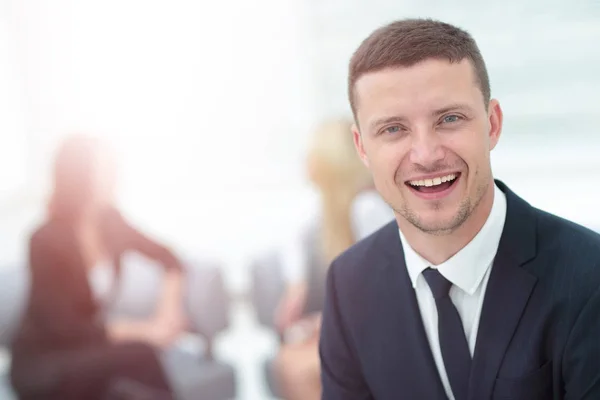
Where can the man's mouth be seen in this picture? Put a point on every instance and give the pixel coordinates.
(434, 185)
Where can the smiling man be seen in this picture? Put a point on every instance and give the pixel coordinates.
(471, 293)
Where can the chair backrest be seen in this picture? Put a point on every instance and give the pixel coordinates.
(268, 286)
(316, 270)
(138, 288)
(14, 292)
(207, 299)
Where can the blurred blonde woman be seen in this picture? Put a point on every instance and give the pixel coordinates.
(350, 209)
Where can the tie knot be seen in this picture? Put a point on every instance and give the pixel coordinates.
(440, 286)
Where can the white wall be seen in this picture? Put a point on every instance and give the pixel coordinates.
(12, 115)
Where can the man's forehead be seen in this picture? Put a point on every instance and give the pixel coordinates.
(428, 71)
(430, 85)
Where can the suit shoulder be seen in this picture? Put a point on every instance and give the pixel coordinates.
(567, 252)
(559, 235)
(358, 261)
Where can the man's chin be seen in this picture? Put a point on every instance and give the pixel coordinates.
(436, 222)
(437, 228)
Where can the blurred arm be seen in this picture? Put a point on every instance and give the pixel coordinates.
(170, 318)
(171, 308)
(293, 301)
(294, 261)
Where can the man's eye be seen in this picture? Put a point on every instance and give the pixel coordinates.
(392, 129)
(448, 119)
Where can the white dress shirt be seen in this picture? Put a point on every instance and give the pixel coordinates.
(469, 271)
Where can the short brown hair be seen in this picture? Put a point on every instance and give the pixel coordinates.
(407, 42)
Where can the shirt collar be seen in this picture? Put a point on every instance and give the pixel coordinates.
(466, 268)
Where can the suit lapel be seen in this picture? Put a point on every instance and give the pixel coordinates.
(402, 343)
(507, 294)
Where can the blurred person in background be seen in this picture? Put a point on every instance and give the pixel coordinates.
(65, 348)
(472, 293)
(350, 209)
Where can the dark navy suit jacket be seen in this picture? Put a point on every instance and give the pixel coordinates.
(539, 333)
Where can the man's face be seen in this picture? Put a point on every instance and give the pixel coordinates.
(426, 135)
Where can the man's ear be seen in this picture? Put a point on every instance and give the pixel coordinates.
(358, 143)
(495, 118)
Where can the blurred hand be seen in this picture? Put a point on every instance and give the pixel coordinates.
(166, 327)
(170, 320)
(315, 320)
(160, 331)
(306, 331)
(291, 306)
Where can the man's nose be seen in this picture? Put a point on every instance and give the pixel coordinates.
(426, 148)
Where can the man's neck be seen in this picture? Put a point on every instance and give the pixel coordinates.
(439, 248)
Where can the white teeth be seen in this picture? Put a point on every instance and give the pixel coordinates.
(433, 182)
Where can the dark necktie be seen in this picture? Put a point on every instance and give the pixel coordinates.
(453, 342)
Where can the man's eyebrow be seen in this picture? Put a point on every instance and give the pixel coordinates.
(452, 107)
(386, 120)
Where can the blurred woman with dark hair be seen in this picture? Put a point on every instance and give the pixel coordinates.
(65, 348)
